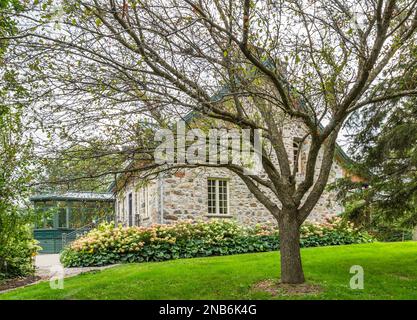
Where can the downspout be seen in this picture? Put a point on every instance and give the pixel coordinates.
(115, 207)
(161, 197)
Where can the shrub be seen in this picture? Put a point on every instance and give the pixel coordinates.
(334, 231)
(109, 244)
(17, 248)
(391, 232)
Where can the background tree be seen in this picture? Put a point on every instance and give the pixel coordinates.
(109, 66)
(75, 169)
(16, 244)
(385, 148)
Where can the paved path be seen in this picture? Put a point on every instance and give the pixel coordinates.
(48, 264)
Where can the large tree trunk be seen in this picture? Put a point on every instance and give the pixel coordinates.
(289, 234)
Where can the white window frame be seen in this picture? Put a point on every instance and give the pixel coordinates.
(217, 197)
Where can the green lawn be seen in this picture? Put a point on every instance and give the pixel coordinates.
(390, 273)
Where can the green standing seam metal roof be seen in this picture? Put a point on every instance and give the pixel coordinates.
(74, 196)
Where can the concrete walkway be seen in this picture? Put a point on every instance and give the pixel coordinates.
(48, 264)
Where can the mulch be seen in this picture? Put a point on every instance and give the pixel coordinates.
(274, 287)
(18, 282)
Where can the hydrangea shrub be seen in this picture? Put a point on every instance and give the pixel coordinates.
(108, 244)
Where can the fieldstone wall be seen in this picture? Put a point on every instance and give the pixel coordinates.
(186, 197)
(139, 198)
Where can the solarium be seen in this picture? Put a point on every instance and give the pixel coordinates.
(61, 215)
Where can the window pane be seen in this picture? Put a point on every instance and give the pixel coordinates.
(222, 197)
(62, 218)
(77, 218)
(49, 219)
(211, 186)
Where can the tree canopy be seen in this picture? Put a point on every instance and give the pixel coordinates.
(100, 72)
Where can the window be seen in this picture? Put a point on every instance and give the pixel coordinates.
(296, 150)
(218, 196)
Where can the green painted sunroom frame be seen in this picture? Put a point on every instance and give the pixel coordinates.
(54, 201)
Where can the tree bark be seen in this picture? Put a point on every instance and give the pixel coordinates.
(289, 234)
(415, 234)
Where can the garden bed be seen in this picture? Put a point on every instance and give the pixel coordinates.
(109, 245)
(8, 284)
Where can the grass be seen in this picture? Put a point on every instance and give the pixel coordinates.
(390, 272)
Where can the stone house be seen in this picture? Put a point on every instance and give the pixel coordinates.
(204, 193)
